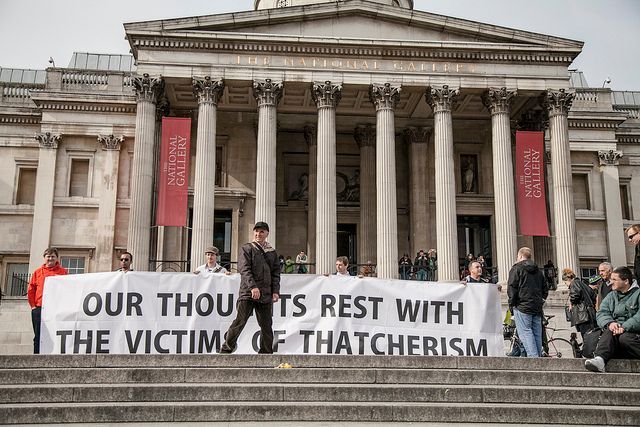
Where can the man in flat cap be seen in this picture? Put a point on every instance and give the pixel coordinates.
(211, 266)
(259, 270)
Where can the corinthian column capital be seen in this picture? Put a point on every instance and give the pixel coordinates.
(110, 142)
(148, 88)
(384, 96)
(326, 94)
(267, 92)
(365, 136)
(208, 91)
(558, 101)
(420, 135)
(442, 99)
(310, 135)
(498, 100)
(609, 158)
(48, 139)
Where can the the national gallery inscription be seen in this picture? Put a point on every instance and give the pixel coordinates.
(303, 62)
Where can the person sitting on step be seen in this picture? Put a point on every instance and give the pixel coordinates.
(619, 318)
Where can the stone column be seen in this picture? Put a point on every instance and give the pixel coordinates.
(43, 207)
(564, 214)
(418, 139)
(139, 232)
(385, 97)
(107, 208)
(208, 93)
(611, 182)
(312, 142)
(498, 101)
(267, 94)
(441, 100)
(326, 96)
(365, 137)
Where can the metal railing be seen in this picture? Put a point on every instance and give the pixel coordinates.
(18, 284)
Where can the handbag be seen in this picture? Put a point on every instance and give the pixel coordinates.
(567, 313)
(580, 312)
(590, 342)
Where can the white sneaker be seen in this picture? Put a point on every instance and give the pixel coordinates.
(595, 365)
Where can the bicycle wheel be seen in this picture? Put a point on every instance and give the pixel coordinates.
(554, 343)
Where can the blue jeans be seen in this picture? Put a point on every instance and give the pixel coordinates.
(529, 328)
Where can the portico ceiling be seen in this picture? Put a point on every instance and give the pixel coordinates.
(296, 99)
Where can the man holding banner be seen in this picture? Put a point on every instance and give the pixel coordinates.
(259, 269)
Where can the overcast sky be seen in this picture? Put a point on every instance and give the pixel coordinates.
(31, 31)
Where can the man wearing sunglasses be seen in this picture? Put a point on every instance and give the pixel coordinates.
(633, 234)
(125, 262)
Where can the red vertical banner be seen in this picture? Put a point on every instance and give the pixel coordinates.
(532, 200)
(173, 184)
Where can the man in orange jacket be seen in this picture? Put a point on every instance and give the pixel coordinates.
(51, 267)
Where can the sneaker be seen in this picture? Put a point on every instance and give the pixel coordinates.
(595, 365)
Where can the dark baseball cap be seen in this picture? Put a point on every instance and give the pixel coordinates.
(261, 225)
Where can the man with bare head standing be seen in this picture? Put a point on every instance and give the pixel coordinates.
(527, 293)
(259, 270)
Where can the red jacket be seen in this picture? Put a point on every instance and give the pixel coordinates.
(36, 284)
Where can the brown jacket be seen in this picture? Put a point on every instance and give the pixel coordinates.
(258, 269)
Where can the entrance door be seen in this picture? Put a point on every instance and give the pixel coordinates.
(222, 235)
(474, 237)
(348, 242)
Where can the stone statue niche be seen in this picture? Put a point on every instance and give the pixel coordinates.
(469, 173)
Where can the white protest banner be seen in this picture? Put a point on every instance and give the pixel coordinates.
(183, 313)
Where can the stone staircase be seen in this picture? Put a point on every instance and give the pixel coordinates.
(16, 332)
(385, 389)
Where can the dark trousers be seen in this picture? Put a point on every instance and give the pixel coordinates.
(583, 328)
(623, 346)
(36, 314)
(264, 313)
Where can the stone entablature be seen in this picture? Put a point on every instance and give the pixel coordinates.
(312, 47)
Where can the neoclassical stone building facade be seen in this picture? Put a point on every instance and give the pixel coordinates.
(360, 128)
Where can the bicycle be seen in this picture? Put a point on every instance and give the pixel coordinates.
(551, 346)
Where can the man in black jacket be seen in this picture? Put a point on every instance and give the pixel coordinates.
(259, 269)
(527, 292)
(633, 234)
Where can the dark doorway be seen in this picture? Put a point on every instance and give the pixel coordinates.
(474, 236)
(348, 242)
(221, 236)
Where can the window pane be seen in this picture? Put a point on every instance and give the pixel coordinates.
(74, 265)
(79, 177)
(17, 279)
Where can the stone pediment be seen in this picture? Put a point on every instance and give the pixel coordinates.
(353, 22)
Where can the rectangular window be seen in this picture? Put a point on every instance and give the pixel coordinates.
(624, 201)
(581, 199)
(17, 279)
(26, 191)
(79, 178)
(589, 272)
(74, 265)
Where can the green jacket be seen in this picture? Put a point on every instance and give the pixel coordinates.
(621, 308)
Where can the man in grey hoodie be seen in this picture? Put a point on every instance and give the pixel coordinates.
(527, 290)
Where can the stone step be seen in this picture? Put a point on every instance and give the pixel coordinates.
(187, 392)
(327, 411)
(315, 376)
(14, 304)
(308, 361)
